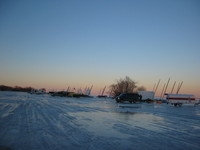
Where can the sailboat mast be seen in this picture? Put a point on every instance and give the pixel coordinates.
(166, 87)
(162, 91)
(179, 87)
(173, 87)
(68, 88)
(90, 90)
(157, 87)
(103, 90)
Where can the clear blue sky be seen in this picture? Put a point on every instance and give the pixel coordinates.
(56, 43)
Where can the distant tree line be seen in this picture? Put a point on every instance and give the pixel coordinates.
(16, 88)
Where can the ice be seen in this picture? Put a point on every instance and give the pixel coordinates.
(42, 122)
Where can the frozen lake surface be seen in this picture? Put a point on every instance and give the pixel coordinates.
(42, 122)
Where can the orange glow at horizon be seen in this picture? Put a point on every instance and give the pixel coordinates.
(187, 88)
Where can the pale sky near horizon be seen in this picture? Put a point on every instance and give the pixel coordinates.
(59, 43)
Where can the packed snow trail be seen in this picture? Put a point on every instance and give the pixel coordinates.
(42, 122)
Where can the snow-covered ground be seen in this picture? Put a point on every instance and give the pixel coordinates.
(42, 122)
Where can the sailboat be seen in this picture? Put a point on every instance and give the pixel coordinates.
(102, 96)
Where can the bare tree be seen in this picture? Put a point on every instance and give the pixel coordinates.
(126, 85)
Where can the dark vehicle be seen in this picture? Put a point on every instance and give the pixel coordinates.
(60, 93)
(131, 97)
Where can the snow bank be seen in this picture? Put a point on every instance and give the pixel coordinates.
(42, 122)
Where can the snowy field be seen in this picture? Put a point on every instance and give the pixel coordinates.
(42, 122)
